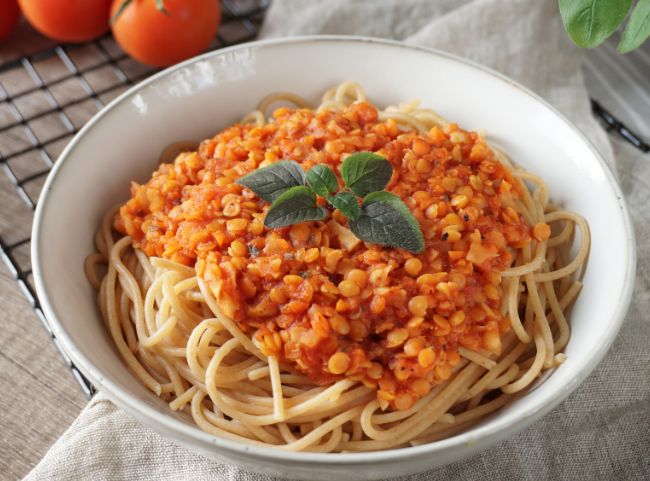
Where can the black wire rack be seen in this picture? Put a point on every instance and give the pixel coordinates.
(48, 95)
(45, 98)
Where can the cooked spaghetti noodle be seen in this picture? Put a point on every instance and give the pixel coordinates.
(306, 339)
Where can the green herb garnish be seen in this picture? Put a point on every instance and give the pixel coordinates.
(347, 203)
(385, 218)
(366, 172)
(591, 22)
(374, 215)
(270, 182)
(322, 180)
(296, 205)
(637, 29)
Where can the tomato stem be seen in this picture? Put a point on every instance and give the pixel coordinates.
(160, 6)
(119, 11)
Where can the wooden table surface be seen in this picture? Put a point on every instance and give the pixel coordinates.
(40, 397)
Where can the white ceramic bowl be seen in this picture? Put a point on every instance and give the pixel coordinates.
(200, 97)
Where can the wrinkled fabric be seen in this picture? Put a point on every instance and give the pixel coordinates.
(602, 431)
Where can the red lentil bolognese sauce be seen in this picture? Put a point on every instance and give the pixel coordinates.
(339, 278)
(314, 295)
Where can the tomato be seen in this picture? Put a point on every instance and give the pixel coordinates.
(161, 38)
(9, 15)
(68, 20)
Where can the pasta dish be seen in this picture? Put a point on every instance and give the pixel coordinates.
(306, 337)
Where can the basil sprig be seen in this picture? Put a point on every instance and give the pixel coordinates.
(347, 203)
(366, 172)
(375, 215)
(322, 180)
(270, 182)
(293, 206)
(386, 219)
(591, 22)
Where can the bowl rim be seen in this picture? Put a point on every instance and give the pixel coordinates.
(495, 430)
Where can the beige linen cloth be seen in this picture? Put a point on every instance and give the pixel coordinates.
(602, 432)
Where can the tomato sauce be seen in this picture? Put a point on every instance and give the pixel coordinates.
(314, 295)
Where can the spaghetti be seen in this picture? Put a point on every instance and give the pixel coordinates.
(325, 345)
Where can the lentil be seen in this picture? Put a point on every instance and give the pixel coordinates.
(338, 363)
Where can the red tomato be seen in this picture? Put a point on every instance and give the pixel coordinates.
(9, 15)
(68, 20)
(161, 38)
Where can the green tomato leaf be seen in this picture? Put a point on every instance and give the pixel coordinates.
(322, 180)
(385, 220)
(365, 172)
(347, 203)
(296, 205)
(273, 180)
(637, 29)
(590, 22)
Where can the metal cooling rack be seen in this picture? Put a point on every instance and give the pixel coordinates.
(47, 96)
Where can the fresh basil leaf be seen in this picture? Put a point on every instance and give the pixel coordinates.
(296, 205)
(271, 181)
(637, 29)
(385, 220)
(365, 172)
(347, 203)
(590, 22)
(322, 180)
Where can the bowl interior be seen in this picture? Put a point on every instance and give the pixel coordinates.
(197, 99)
